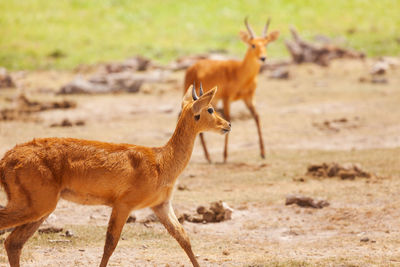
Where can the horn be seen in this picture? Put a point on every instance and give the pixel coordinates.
(201, 89)
(266, 28)
(249, 28)
(194, 95)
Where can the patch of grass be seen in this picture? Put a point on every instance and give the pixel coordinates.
(40, 34)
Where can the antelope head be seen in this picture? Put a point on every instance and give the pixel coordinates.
(257, 45)
(201, 113)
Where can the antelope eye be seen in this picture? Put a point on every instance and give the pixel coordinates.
(253, 45)
(210, 110)
(197, 117)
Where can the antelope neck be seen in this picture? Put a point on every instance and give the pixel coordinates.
(175, 155)
(250, 64)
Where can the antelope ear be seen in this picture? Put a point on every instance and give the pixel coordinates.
(272, 36)
(244, 36)
(204, 100)
(187, 98)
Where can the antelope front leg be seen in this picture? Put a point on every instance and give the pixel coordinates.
(167, 217)
(227, 115)
(250, 105)
(117, 221)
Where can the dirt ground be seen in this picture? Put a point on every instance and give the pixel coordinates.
(318, 115)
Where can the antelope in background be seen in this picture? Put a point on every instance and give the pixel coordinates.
(35, 175)
(236, 80)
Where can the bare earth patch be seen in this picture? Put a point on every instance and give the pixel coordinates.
(307, 119)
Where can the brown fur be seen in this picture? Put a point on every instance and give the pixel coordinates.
(37, 174)
(236, 80)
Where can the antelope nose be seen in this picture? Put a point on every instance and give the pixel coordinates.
(229, 125)
(262, 59)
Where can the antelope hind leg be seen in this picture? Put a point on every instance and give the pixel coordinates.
(16, 240)
(118, 218)
(203, 143)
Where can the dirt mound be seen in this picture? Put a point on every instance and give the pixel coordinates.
(379, 69)
(101, 84)
(116, 77)
(137, 63)
(115, 82)
(345, 171)
(217, 212)
(336, 125)
(34, 106)
(280, 73)
(50, 230)
(68, 123)
(304, 201)
(5, 79)
(25, 107)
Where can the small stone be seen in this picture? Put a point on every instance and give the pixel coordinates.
(217, 207)
(300, 179)
(347, 175)
(364, 239)
(131, 219)
(201, 209)
(220, 217)
(69, 233)
(225, 252)
(379, 68)
(150, 218)
(227, 211)
(80, 123)
(362, 79)
(280, 73)
(182, 187)
(209, 216)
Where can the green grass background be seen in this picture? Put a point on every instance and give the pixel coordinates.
(91, 31)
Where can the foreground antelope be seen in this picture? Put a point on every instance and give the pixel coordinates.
(37, 174)
(235, 79)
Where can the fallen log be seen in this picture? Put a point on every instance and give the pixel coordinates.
(302, 51)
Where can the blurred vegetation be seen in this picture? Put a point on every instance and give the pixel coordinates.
(41, 34)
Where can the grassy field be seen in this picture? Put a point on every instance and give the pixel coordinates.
(41, 34)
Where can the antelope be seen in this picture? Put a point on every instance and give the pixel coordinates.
(236, 80)
(35, 175)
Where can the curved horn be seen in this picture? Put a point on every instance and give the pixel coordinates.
(266, 28)
(194, 95)
(201, 89)
(248, 28)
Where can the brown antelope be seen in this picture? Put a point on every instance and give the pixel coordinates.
(236, 80)
(35, 175)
